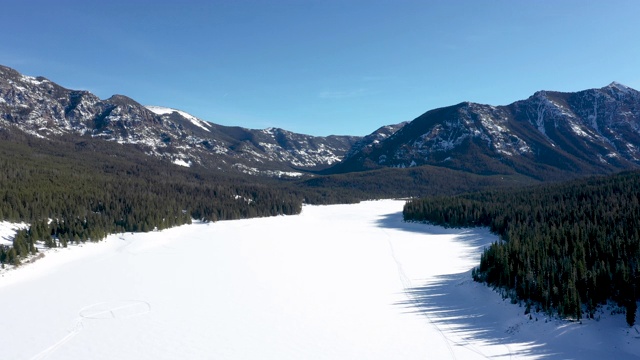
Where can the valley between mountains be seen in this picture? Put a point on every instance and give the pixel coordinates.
(538, 199)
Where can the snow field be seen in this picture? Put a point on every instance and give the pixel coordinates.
(336, 282)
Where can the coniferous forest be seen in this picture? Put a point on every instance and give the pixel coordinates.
(71, 195)
(564, 248)
(80, 190)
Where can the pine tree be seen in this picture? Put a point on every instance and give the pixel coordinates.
(632, 307)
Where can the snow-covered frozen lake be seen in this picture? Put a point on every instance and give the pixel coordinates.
(336, 282)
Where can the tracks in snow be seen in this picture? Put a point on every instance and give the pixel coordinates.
(407, 286)
(121, 309)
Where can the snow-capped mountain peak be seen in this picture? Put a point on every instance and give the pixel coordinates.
(619, 86)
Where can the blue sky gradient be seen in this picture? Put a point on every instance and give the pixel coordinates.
(322, 67)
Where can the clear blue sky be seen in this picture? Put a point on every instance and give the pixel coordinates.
(322, 67)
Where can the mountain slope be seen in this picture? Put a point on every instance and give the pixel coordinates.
(547, 136)
(42, 108)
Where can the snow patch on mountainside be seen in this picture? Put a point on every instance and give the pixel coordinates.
(194, 120)
(182, 162)
(271, 173)
(32, 80)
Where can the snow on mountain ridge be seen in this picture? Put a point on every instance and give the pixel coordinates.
(41, 108)
(585, 132)
(33, 80)
(596, 125)
(621, 87)
(194, 120)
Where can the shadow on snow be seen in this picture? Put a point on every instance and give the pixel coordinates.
(467, 312)
(464, 311)
(476, 238)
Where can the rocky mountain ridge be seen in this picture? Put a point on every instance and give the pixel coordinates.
(45, 109)
(549, 135)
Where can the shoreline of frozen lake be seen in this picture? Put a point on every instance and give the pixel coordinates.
(335, 282)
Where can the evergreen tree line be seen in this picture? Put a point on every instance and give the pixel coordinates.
(70, 196)
(72, 189)
(401, 183)
(564, 247)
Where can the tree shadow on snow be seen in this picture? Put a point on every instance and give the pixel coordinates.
(473, 237)
(395, 221)
(466, 312)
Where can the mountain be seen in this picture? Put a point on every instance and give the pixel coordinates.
(550, 135)
(371, 140)
(42, 108)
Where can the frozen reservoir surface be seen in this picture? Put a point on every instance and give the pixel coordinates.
(336, 282)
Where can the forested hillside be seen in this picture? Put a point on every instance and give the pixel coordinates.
(564, 247)
(402, 183)
(82, 190)
(87, 191)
